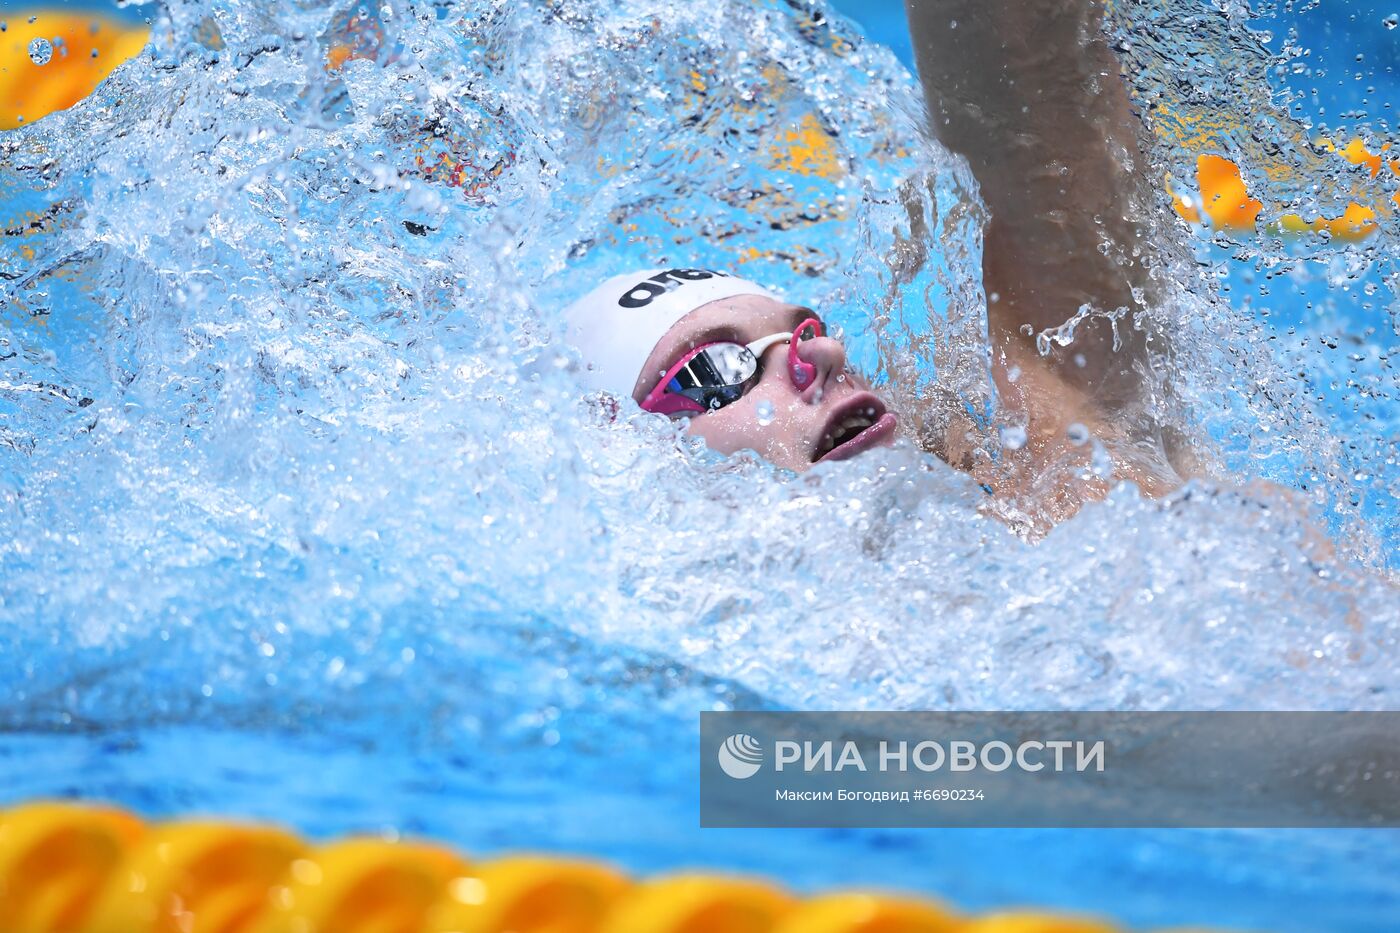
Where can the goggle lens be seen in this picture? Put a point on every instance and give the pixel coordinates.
(717, 374)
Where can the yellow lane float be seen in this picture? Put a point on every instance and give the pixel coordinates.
(698, 904)
(55, 859)
(1028, 922)
(358, 886)
(191, 876)
(865, 913)
(529, 894)
(77, 868)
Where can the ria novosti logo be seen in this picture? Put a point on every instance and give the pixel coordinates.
(740, 756)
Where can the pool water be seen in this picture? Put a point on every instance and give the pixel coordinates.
(302, 519)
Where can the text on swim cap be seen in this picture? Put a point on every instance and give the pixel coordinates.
(644, 292)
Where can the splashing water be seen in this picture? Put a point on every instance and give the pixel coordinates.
(1287, 92)
(298, 350)
(289, 433)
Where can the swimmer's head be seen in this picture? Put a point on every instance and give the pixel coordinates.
(794, 401)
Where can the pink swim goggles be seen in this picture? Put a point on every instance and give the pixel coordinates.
(715, 374)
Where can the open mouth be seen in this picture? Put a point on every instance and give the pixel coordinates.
(857, 425)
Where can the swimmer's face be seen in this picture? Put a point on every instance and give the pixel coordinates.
(833, 418)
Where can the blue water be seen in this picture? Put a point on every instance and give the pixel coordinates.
(301, 518)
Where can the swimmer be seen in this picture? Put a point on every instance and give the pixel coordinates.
(1045, 126)
(747, 369)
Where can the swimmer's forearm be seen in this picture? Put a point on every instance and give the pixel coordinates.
(1030, 94)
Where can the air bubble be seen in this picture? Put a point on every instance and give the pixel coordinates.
(764, 413)
(1391, 21)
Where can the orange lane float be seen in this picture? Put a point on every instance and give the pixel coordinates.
(1227, 205)
(81, 49)
(78, 868)
(85, 49)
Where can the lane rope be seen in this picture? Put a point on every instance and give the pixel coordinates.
(88, 868)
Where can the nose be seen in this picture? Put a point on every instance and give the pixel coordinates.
(813, 363)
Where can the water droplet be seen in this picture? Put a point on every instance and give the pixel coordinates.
(1101, 462)
(1077, 434)
(41, 51)
(765, 413)
(1013, 436)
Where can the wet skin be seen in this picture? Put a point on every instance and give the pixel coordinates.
(801, 423)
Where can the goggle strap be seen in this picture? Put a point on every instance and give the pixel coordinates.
(759, 346)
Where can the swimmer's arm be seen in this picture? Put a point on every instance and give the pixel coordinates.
(1030, 94)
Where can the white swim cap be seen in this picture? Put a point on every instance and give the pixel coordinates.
(619, 323)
